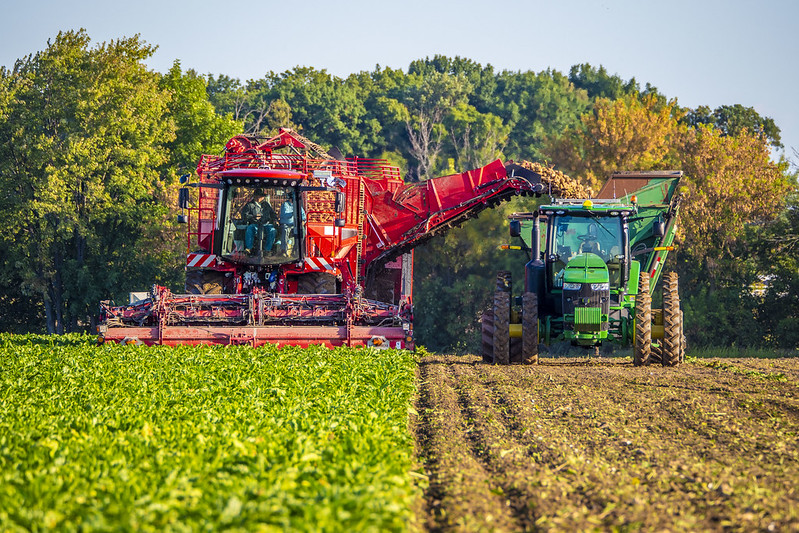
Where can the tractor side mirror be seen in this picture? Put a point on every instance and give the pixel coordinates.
(183, 198)
(341, 201)
(339, 222)
(515, 228)
(659, 228)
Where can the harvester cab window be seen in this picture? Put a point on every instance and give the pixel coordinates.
(576, 235)
(261, 225)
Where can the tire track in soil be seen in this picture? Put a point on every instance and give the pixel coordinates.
(495, 442)
(535, 471)
(597, 447)
(461, 494)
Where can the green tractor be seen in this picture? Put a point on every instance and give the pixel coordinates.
(593, 267)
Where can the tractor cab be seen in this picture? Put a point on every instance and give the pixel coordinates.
(580, 233)
(261, 225)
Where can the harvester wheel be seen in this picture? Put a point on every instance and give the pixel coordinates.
(642, 347)
(316, 283)
(530, 328)
(501, 328)
(672, 322)
(487, 331)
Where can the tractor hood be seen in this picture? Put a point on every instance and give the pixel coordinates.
(586, 268)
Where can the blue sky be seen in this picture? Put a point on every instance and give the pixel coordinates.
(707, 52)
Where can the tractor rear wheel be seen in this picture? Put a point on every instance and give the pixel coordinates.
(515, 347)
(656, 354)
(530, 328)
(487, 332)
(672, 322)
(501, 328)
(642, 347)
(316, 283)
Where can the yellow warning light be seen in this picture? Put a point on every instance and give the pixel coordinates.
(588, 204)
(377, 341)
(634, 199)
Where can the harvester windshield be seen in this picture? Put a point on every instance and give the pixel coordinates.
(261, 225)
(575, 235)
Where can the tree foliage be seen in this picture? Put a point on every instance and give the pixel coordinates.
(732, 184)
(88, 144)
(80, 148)
(733, 120)
(632, 132)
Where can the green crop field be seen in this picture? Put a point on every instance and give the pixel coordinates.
(204, 438)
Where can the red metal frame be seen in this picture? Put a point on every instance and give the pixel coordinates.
(383, 219)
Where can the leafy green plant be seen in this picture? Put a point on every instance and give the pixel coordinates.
(202, 438)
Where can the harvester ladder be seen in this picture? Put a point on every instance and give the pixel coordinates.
(359, 245)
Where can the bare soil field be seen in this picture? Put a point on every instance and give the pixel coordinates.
(578, 444)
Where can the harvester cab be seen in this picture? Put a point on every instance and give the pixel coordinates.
(592, 265)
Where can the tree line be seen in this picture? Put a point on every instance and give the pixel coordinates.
(92, 142)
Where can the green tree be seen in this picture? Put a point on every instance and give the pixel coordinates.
(80, 145)
(537, 107)
(476, 138)
(732, 184)
(382, 92)
(599, 84)
(228, 96)
(778, 250)
(324, 107)
(482, 80)
(733, 119)
(198, 127)
(428, 99)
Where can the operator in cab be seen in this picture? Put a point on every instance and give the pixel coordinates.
(261, 223)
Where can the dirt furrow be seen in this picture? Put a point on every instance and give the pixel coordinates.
(575, 445)
(461, 494)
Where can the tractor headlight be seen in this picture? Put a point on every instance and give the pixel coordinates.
(600, 286)
(572, 286)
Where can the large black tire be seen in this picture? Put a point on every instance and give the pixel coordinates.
(204, 282)
(515, 346)
(672, 322)
(487, 333)
(501, 328)
(655, 354)
(642, 347)
(316, 283)
(530, 328)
